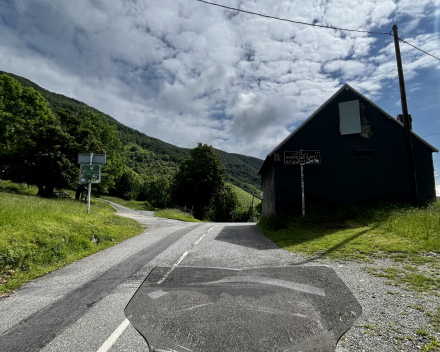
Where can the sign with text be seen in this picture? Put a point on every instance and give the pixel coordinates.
(90, 173)
(302, 157)
(96, 159)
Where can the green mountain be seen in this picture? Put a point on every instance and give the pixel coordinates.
(146, 154)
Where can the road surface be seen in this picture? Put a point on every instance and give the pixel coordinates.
(81, 306)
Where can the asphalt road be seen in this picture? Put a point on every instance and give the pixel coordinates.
(81, 306)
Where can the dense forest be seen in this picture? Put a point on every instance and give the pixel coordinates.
(144, 156)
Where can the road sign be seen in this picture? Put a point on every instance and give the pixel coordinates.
(90, 173)
(303, 157)
(96, 159)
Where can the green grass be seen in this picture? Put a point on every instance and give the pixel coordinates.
(395, 231)
(11, 187)
(132, 204)
(175, 214)
(361, 232)
(422, 281)
(40, 235)
(244, 198)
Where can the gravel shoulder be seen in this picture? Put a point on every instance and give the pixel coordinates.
(392, 316)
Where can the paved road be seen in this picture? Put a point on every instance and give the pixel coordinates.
(81, 306)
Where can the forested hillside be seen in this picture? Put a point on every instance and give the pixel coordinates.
(151, 156)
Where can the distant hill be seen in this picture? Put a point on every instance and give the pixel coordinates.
(244, 198)
(241, 170)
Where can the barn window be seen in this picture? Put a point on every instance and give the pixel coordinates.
(349, 117)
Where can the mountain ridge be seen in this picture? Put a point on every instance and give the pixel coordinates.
(241, 170)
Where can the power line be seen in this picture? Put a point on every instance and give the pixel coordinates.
(313, 24)
(430, 135)
(435, 57)
(286, 20)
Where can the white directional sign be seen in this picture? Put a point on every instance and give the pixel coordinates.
(96, 159)
(303, 157)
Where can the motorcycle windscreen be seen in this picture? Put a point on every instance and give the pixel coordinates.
(200, 309)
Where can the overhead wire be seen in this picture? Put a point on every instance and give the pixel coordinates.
(403, 41)
(431, 135)
(314, 24)
(286, 20)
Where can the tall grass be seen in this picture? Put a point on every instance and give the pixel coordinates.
(38, 235)
(175, 214)
(364, 230)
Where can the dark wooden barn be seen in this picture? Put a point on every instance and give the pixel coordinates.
(363, 158)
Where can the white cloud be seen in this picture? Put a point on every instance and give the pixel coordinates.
(184, 72)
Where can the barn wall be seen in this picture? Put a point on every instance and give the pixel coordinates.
(353, 169)
(268, 187)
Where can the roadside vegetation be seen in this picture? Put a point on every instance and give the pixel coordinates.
(243, 210)
(410, 236)
(175, 214)
(132, 204)
(39, 235)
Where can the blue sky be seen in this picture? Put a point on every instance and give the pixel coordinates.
(186, 72)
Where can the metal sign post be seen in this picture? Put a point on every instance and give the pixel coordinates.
(89, 190)
(90, 173)
(302, 190)
(302, 157)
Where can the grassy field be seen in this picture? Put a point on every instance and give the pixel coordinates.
(244, 198)
(175, 214)
(132, 204)
(11, 187)
(40, 235)
(360, 231)
(405, 234)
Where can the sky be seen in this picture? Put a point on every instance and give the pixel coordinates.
(185, 72)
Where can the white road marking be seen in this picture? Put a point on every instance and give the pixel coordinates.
(173, 267)
(120, 329)
(200, 239)
(113, 337)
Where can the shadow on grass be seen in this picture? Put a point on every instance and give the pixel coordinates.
(335, 247)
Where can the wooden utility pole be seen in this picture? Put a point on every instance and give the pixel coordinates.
(408, 137)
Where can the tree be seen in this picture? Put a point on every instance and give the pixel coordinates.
(128, 185)
(223, 205)
(32, 143)
(157, 191)
(92, 134)
(42, 148)
(199, 180)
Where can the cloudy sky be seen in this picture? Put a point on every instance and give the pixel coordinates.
(183, 71)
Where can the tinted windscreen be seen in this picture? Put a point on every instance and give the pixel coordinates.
(296, 308)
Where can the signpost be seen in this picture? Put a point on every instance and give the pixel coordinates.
(302, 157)
(90, 173)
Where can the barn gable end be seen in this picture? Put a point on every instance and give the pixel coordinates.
(356, 167)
